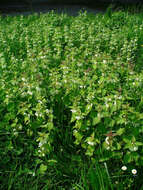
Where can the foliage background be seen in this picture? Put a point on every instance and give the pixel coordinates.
(65, 83)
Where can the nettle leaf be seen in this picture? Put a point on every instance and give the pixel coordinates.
(118, 146)
(127, 158)
(121, 121)
(26, 119)
(20, 151)
(127, 139)
(120, 131)
(78, 136)
(90, 151)
(88, 108)
(52, 162)
(130, 157)
(106, 146)
(42, 168)
(133, 139)
(96, 120)
(139, 143)
(112, 123)
(135, 156)
(29, 132)
(50, 126)
(117, 155)
(11, 106)
(78, 124)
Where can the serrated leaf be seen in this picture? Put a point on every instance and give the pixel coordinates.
(120, 131)
(127, 158)
(96, 120)
(43, 168)
(90, 150)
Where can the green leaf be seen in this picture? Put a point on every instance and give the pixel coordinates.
(121, 121)
(127, 158)
(26, 119)
(43, 168)
(96, 120)
(139, 143)
(135, 156)
(90, 150)
(120, 131)
(127, 140)
(117, 155)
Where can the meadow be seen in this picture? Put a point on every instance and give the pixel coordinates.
(71, 101)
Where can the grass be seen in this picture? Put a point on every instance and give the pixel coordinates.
(51, 67)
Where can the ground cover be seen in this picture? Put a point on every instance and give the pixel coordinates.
(71, 96)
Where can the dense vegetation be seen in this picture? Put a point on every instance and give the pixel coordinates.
(70, 1)
(66, 83)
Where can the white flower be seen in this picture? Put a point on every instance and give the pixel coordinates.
(120, 97)
(88, 107)
(124, 168)
(36, 114)
(75, 131)
(135, 148)
(73, 111)
(47, 111)
(77, 117)
(37, 88)
(15, 133)
(39, 101)
(40, 144)
(20, 127)
(106, 140)
(90, 143)
(115, 96)
(23, 79)
(108, 147)
(33, 174)
(107, 105)
(29, 92)
(134, 171)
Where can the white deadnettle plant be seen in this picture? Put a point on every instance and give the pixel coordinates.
(79, 65)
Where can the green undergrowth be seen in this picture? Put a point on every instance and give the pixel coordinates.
(71, 97)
